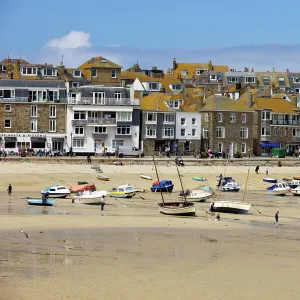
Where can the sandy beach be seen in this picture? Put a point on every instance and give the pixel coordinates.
(130, 251)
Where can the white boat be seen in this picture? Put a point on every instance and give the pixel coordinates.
(57, 191)
(294, 183)
(196, 196)
(89, 197)
(231, 186)
(232, 207)
(177, 208)
(123, 191)
(296, 191)
(145, 177)
(278, 189)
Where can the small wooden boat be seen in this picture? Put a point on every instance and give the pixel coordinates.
(145, 177)
(37, 201)
(195, 195)
(198, 178)
(165, 186)
(232, 207)
(177, 208)
(89, 197)
(103, 178)
(270, 180)
(82, 187)
(57, 191)
(123, 191)
(278, 189)
(296, 191)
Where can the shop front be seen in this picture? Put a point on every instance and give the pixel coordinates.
(266, 148)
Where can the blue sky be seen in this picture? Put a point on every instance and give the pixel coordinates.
(259, 34)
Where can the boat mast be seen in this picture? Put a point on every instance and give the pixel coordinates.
(246, 185)
(181, 184)
(221, 184)
(162, 197)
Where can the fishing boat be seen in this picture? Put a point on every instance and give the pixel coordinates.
(82, 187)
(296, 191)
(123, 191)
(231, 186)
(195, 195)
(270, 180)
(278, 189)
(145, 177)
(89, 197)
(165, 186)
(294, 183)
(56, 191)
(103, 178)
(38, 201)
(198, 178)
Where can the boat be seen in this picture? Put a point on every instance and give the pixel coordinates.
(294, 183)
(123, 191)
(145, 177)
(38, 201)
(278, 189)
(82, 187)
(296, 191)
(198, 178)
(297, 177)
(165, 186)
(82, 182)
(103, 178)
(270, 180)
(231, 186)
(56, 191)
(195, 195)
(176, 208)
(89, 197)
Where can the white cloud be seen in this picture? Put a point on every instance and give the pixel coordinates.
(72, 40)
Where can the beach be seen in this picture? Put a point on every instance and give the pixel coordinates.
(131, 251)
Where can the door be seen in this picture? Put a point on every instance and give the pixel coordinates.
(100, 98)
(57, 146)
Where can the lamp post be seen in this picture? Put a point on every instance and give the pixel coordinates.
(71, 147)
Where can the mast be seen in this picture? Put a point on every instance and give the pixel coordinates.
(162, 197)
(181, 184)
(246, 185)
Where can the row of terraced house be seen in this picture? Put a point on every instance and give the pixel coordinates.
(191, 108)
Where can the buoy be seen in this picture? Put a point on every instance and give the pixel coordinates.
(155, 182)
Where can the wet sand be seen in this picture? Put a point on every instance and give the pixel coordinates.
(130, 251)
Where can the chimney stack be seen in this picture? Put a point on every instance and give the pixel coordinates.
(220, 87)
(174, 64)
(249, 99)
(294, 99)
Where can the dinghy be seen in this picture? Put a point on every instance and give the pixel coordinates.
(82, 187)
(145, 177)
(296, 191)
(270, 180)
(177, 208)
(103, 178)
(278, 189)
(89, 197)
(123, 191)
(57, 191)
(232, 207)
(165, 186)
(195, 195)
(198, 178)
(37, 201)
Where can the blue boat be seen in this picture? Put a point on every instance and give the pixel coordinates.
(198, 178)
(37, 201)
(165, 186)
(270, 180)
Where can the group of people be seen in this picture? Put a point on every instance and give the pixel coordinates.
(212, 212)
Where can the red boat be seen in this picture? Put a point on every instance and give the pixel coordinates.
(82, 187)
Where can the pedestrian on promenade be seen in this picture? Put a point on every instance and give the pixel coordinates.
(9, 190)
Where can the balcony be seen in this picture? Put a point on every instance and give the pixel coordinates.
(285, 122)
(108, 101)
(102, 121)
(99, 135)
(12, 100)
(79, 122)
(28, 99)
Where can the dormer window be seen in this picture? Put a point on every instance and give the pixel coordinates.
(103, 61)
(249, 79)
(173, 104)
(233, 79)
(296, 79)
(154, 86)
(176, 87)
(77, 73)
(200, 71)
(49, 72)
(29, 71)
(281, 81)
(213, 77)
(184, 72)
(266, 80)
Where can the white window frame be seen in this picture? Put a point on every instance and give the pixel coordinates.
(52, 125)
(249, 79)
(120, 128)
(166, 121)
(296, 132)
(200, 71)
(150, 129)
(264, 115)
(54, 98)
(194, 121)
(77, 76)
(54, 72)
(220, 117)
(78, 143)
(6, 106)
(233, 79)
(100, 129)
(232, 117)
(206, 117)
(171, 133)
(175, 87)
(205, 133)
(80, 130)
(12, 93)
(52, 111)
(75, 84)
(116, 143)
(124, 116)
(266, 132)
(183, 121)
(244, 132)
(220, 147)
(244, 118)
(150, 86)
(296, 79)
(33, 125)
(220, 132)
(80, 115)
(33, 111)
(154, 116)
(194, 133)
(243, 147)
(113, 73)
(184, 72)
(92, 73)
(9, 123)
(297, 91)
(182, 132)
(213, 77)
(33, 71)
(118, 96)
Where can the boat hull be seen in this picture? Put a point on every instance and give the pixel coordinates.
(167, 189)
(198, 178)
(277, 193)
(103, 178)
(39, 202)
(90, 201)
(296, 192)
(122, 194)
(174, 208)
(270, 180)
(197, 196)
(232, 207)
(58, 195)
(146, 177)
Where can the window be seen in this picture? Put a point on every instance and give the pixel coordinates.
(49, 72)
(296, 79)
(117, 143)
(29, 71)
(281, 81)
(79, 130)
(168, 132)
(206, 146)
(220, 132)
(182, 121)
(205, 133)
(173, 104)
(206, 117)
(124, 116)
(78, 143)
(94, 73)
(75, 84)
(182, 132)
(220, 147)
(244, 118)
(266, 115)
(244, 132)
(79, 115)
(52, 125)
(37, 95)
(169, 118)
(213, 77)
(118, 96)
(249, 79)
(266, 80)
(265, 131)
(220, 117)
(123, 130)
(297, 91)
(52, 113)
(184, 72)
(296, 132)
(113, 73)
(244, 147)
(7, 124)
(7, 93)
(232, 118)
(194, 132)
(33, 110)
(200, 71)
(150, 131)
(100, 129)
(233, 79)
(33, 126)
(275, 131)
(285, 132)
(7, 108)
(77, 73)
(193, 121)
(151, 117)
(153, 86)
(176, 87)
(53, 95)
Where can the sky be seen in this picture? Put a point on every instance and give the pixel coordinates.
(256, 34)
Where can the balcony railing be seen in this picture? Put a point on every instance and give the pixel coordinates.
(285, 122)
(108, 101)
(79, 122)
(28, 99)
(16, 99)
(102, 121)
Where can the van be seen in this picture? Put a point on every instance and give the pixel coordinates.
(129, 151)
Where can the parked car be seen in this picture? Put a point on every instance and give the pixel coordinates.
(129, 151)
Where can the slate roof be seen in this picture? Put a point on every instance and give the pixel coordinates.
(219, 103)
(99, 62)
(32, 83)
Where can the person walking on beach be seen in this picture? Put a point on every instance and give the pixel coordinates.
(9, 190)
(212, 210)
(256, 169)
(89, 160)
(276, 218)
(267, 172)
